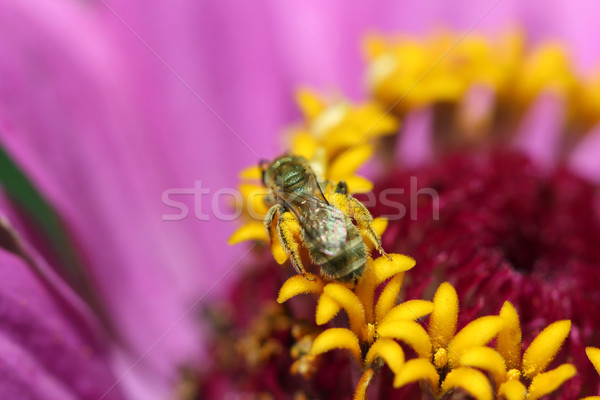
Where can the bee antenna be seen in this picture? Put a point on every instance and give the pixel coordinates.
(263, 163)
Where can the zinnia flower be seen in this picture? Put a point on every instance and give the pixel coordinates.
(107, 110)
(480, 121)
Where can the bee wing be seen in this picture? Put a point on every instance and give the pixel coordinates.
(324, 224)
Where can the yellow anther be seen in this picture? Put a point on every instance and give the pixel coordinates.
(440, 358)
(513, 375)
(369, 332)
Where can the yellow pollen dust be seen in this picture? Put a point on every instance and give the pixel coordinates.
(369, 332)
(513, 375)
(440, 359)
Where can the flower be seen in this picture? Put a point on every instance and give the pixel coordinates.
(110, 83)
(373, 325)
(445, 359)
(496, 234)
(536, 358)
(330, 139)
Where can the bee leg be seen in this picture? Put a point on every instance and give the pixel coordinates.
(269, 218)
(289, 228)
(364, 220)
(341, 187)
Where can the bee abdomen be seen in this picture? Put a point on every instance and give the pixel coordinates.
(348, 263)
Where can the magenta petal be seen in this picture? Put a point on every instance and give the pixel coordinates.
(585, 158)
(415, 146)
(50, 347)
(66, 117)
(540, 132)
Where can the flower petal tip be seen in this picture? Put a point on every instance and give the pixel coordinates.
(547, 382)
(337, 338)
(415, 370)
(249, 231)
(470, 380)
(299, 284)
(385, 267)
(544, 348)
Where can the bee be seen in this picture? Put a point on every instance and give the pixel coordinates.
(333, 241)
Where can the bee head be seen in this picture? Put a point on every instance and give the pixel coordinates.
(287, 172)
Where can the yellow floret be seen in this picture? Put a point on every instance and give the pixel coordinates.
(544, 348)
(417, 370)
(337, 338)
(470, 380)
(442, 321)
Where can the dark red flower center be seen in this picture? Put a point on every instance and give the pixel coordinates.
(506, 231)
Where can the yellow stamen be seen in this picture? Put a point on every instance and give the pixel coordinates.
(440, 358)
(363, 383)
(513, 375)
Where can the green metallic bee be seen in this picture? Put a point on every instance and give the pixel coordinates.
(328, 232)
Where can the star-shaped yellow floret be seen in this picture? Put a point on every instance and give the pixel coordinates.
(479, 76)
(336, 138)
(407, 73)
(358, 302)
(546, 68)
(531, 367)
(339, 123)
(374, 325)
(442, 328)
(463, 354)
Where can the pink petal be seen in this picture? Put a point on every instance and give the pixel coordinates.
(585, 158)
(540, 131)
(50, 342)
(415, 145)
(85, 147)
